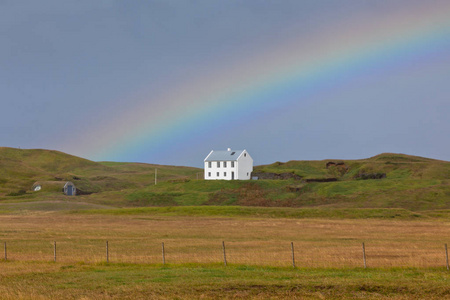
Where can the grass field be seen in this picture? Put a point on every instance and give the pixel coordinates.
(137, 238)
(405, 257)
(403, 221)
(130, 281)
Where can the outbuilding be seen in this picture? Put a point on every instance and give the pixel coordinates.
(228, 165)
(68, 188)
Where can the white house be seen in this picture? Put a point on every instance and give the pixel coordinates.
(228, 165)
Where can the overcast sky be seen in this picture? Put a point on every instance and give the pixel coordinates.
(74, 73)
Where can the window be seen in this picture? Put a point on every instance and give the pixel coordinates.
(232, 164)
(224, 174)
(224, 164)
(245, 154)
(218, 164)
(209, 174)
(209, 164)
(218, 174)
(247, 173)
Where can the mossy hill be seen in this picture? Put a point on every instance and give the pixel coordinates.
(395, 166)
(20, 169)
(384, 181)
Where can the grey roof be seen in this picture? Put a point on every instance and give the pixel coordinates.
(224, 155)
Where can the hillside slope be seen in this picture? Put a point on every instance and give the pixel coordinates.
(393, 165)
(383, 181)
(20, 169)
(408, 182)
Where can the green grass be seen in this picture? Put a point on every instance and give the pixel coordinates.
(265, 212)
(413, 194)
(412, 183)
(330, 189)
(215, 281)
(39, 206)
(124, 194)
(306, 169)
(21, 168)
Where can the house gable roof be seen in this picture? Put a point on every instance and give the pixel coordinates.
(225, 155)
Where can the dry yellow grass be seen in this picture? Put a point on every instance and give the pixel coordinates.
(265, 242)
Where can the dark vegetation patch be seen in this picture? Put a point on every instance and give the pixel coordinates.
(365, 176)
(276, 176)
(141, 198)
(331, 179)
(18, 193)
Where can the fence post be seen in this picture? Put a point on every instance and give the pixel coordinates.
(54, 251)
(6, 258)
(364, 254)
(163, 254)
(107, 252)
(293, 257)
(224, 254)
(446, 256)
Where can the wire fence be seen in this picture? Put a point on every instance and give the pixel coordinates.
(252, 253)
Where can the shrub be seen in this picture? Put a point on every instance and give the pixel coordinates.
(18, 193)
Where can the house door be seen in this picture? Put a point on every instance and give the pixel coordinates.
(232, 175)
(69, 190)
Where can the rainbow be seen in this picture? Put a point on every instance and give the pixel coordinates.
(276, 78)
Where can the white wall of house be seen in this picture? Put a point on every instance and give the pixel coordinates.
(220, 170)
(239, 169)
(245, 166)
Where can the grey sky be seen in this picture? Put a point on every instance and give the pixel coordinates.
(68, 67)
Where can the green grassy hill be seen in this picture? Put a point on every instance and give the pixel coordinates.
(410, 182)
(407, 182)
(20, 169)
(398, 166)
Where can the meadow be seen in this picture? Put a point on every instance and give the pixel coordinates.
(137, 238)
(403, 221)
(405, 256)
(127, 281)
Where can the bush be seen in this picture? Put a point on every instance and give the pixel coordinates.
(365, 176)
(18, 193)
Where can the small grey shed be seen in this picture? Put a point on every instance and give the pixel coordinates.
(70, 189)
